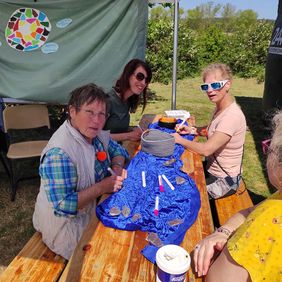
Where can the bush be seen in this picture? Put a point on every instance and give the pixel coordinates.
(160, 51)
(244, 49)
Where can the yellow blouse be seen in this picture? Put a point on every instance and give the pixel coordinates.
(257, 244)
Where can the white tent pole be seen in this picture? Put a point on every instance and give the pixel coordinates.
(175, 44)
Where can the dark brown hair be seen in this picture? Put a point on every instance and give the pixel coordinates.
(87, 94)
(122, 83)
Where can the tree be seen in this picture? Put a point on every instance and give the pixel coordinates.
(202, 16)
(228, 17)
(160, 12)
(245, 19)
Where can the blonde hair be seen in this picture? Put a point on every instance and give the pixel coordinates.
(223, 69)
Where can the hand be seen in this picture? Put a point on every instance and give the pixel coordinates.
(184, 129)
(112, 183)
(135, 134)
(206, 250)
(117, 169)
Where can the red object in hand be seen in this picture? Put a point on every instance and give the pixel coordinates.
(101, 156)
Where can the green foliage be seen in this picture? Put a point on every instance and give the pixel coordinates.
(236, 38)
(160, 50)
(246, 50)
(212, 44)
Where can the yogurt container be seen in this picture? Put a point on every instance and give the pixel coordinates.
(173, 263)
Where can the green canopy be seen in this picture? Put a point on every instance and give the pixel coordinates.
(88, 40)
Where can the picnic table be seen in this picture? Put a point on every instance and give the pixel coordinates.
(107, 254)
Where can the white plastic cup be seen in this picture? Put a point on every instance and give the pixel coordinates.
(173, 263)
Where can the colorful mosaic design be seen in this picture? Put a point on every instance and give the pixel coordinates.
(27, 29)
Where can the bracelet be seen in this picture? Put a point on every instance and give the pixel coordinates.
(224, 230)
(118, 164)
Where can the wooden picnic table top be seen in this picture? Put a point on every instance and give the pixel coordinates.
(107, 254)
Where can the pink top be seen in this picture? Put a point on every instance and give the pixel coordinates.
(232, 122)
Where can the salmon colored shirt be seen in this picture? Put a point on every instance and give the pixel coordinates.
(232, 122)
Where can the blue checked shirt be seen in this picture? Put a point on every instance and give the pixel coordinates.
(59, 176)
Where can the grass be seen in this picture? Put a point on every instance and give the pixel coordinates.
(16, 217)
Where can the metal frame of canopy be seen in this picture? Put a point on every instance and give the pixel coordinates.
(175, 45)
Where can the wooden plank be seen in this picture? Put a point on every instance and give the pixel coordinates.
(99, 258)
(35, 262)
(226, 207)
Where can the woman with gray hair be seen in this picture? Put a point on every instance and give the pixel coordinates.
(74, 170)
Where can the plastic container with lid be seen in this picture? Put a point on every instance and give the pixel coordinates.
(173, 263)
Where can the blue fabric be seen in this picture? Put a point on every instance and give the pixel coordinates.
(182, 203)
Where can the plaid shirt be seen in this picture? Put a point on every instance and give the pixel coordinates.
(59, 176)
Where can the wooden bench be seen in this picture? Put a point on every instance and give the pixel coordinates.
(35, 262)
(228, 206)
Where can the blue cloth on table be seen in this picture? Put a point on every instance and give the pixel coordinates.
(183, 203)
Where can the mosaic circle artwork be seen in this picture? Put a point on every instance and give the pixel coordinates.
(28, 29)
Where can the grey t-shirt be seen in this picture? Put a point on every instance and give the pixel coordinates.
(119, 117)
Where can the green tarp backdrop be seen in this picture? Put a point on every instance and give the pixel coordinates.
(87, 40)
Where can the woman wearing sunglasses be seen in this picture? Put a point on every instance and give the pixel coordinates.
(225, 134)
(253, 253)
(124, 99)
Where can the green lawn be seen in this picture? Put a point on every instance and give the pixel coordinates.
(16, 218)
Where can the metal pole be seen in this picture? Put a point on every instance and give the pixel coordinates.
(175, 44)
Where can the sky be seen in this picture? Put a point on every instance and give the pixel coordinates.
(266, 9)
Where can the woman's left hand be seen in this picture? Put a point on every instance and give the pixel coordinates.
(206, 250)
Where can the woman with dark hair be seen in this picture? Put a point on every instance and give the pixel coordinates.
(124, 99)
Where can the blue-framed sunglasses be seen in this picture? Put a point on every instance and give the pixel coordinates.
(214, 85)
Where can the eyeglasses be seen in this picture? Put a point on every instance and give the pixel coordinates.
(141, 76)
(214, 85)
(92, 114)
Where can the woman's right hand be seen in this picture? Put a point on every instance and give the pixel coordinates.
(112, 183)
(185, 129)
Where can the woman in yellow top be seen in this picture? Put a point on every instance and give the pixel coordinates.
(253, 253)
